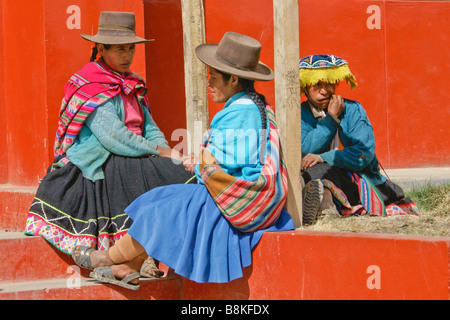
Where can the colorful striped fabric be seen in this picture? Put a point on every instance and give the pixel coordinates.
(371, 202)
(249, 205)
(401, 207)
(346, 208)
(368, 194)
(94, 84)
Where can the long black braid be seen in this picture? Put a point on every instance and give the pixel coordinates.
(94, 54)
(248, 86)
(95, 51)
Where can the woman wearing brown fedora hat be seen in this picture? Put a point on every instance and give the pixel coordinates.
(108, 149)
(206, 231)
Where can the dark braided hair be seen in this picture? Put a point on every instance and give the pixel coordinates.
(248, 86)
(95, 51)
(94, 54)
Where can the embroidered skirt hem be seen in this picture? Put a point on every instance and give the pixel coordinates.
(70, 210)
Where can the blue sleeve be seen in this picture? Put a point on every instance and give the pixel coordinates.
(316, 135)
(234, 141)
(358, 140)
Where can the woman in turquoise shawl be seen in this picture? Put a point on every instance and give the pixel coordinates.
(181, 225)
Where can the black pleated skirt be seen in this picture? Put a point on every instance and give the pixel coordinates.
(70, 210)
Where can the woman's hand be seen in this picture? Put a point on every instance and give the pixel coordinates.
(189, 162)
(311, 160)
(169, 153)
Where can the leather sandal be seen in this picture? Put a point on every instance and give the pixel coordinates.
(149, 269)
(105, 275)
(83, 259)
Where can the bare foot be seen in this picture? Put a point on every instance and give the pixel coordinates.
(120, 271)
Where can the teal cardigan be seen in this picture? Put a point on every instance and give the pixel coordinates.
(104, 132)
(234, 138)
(355, 133)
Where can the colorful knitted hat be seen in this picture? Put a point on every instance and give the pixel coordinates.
(324, 67)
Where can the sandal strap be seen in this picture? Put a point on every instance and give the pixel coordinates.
(83, 259)
(150, 270)
(130, 277)
(105, 272)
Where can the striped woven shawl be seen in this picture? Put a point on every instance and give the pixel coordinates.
(371, 201)
(94, 84)
(249, 205)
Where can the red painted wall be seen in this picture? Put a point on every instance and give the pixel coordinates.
(401, 67)
(417, 70)
(254, 19)
(337, 266)
(25, 88)
(398, 51)
(3, 145)
(165, 65)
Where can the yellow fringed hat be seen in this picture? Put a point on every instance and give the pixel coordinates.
(326, 68)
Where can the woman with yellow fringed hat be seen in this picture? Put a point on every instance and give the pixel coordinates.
(339, 165)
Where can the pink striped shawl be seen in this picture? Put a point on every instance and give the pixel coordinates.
(94, 84)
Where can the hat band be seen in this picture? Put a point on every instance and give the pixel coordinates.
(232, 64)
(116, 32)
(115, 27)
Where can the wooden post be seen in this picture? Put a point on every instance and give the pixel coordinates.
(197, 118)
(287, 98)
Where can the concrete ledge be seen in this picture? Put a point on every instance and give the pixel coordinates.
(26, 258)
(15, 203)
(287, 265)
(57, 289)
(325, 265)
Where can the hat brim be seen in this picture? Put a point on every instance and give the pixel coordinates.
(115, 39)
(333, 75)
(207, 54)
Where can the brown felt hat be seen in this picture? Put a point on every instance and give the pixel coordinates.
(116, 28)
(236, 54)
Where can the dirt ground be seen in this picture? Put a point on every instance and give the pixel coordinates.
(434, 219)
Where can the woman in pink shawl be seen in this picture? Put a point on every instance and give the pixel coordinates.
(108, 150)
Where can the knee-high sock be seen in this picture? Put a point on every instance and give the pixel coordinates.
(126, 249)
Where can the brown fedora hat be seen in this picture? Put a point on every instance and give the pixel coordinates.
(236, 54)
(115, 28)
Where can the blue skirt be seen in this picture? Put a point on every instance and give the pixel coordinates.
(181, 226)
